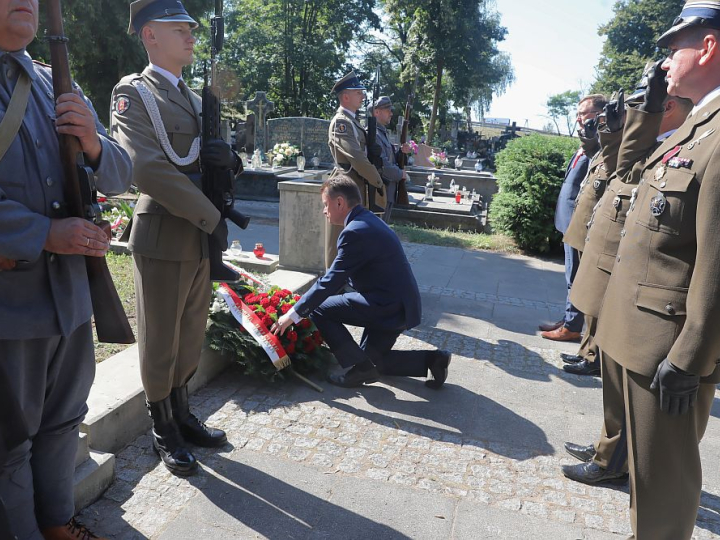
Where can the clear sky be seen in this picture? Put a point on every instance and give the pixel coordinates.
(554, 47)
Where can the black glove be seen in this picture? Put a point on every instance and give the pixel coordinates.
(218, 153)
(678, 389)
(615, 113)
(220, 235)
(656, 90)
(590, 128)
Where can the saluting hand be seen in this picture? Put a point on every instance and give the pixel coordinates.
(656, 90)
(76, 236)
(615, 113)
(74, 117)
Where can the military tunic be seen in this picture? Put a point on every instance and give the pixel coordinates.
(663, 301)
(347, 142)
(169, 239)
(46, 345)
(391, 174)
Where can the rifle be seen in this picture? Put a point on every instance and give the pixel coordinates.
(218, 185)
(402, 194)
(80, 194)
(373, 156)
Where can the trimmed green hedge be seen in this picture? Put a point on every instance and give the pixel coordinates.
(530, 171)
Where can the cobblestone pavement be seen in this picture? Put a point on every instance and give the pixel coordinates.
(354, 434)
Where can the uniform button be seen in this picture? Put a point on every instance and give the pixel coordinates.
(55, 205)
(622, 233)
(38, 143)
(10, 73)
(663, 184)
(203, 223)
(53, 258)
(617, 259)
(49, 181)
(670, 309)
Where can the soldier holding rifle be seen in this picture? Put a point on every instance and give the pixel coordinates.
(157, 119)
(46, 344)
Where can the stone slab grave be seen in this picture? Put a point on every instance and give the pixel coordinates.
(310, 135)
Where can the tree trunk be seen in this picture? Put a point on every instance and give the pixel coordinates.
(436, 99)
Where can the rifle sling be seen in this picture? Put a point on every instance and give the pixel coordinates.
(15, 113)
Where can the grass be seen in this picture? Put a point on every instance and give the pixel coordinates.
(121, 268)
(459, 239)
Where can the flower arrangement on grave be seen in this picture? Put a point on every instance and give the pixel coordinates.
(239, 324)
(118, 214)
(284, 152)
(439, 159)
(413, 146)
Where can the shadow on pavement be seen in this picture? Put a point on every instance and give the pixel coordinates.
(277, 510)
(709, 513)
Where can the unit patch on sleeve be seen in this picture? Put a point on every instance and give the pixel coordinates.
(121, 104)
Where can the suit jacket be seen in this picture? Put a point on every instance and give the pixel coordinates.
(601, 166)
(663, 299)
(372, 261)
(347, 142)
(172, 217)
(50, 296)
(639, 139)
(574, 175)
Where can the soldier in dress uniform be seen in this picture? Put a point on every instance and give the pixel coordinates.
(646, 127)
(347, 140)
(659, 316)
(157, 119)
(391, 174)
(46, 343)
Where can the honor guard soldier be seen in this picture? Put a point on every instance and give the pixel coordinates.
(649, 122)
(659, 316)
(390, 173)
(157, 119)
(347, 142)
(46, 338)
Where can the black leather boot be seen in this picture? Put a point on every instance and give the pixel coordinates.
(192, 429)
(167, 441)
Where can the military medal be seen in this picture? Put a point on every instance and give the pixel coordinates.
(616, 202)
(657, 205)
(660, 172)
(596, 184)
(671, 154)
(678, 162)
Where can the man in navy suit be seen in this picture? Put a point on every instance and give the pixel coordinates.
(570, 327)
(385, 298)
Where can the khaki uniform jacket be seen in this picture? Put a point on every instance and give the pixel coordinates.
(602, 165)
(663, 299)
(172, 216)
(347, 142)
(603, 236)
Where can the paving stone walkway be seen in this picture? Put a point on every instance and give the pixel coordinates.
(478, 459)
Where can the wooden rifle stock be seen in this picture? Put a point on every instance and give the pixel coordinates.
(111, 323)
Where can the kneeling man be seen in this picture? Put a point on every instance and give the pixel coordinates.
(385, 300)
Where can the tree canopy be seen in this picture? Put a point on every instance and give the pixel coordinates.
(560, 107)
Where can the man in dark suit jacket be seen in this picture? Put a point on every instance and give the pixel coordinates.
(570, 327)
(385, 300)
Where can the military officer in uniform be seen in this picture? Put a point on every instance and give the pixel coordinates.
(46, 343)
(157, 119)
(391, 174)
(347, 140)
(651, 118)
(659, 316)
(601, 166)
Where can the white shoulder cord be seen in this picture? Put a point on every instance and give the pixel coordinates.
(151, 105)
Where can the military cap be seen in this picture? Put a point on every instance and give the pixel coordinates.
(348, 82)
(705, 13)
(144, 11)
(383, 102)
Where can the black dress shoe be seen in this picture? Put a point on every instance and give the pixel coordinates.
(354, 377)
(583, 453)
(583, 368)
(552, 326)
(192, 429)
(571, 358)
(438, 366)
(592, 473)
(167, 442)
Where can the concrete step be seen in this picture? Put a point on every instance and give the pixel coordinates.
(92, 478)
(83, 451)
(298, 282)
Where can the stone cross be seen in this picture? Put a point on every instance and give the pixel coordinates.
(260, 105)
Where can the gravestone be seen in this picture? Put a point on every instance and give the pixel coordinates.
(309, 134)
(260, 105)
